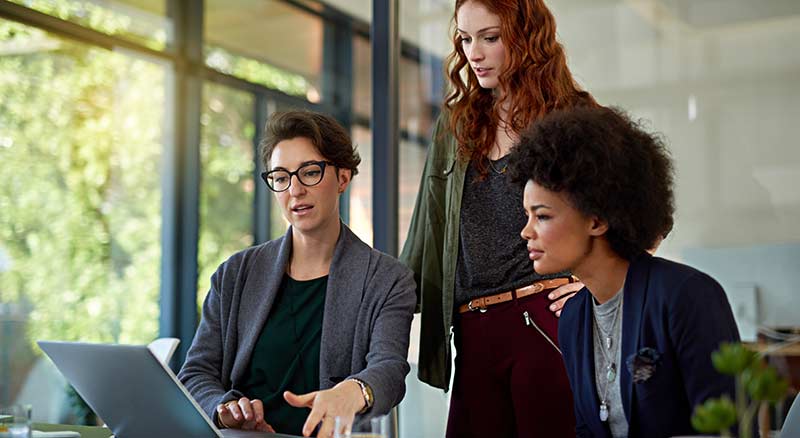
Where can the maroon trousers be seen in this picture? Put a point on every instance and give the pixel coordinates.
(509, 380)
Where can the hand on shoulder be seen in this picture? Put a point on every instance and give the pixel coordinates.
(561, 294)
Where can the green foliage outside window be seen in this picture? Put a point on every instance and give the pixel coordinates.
(257, 72)
(146, 24)
(82, 132)
(147, 28)
(80, 194)
(227, 187)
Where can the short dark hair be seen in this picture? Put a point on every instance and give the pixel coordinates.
(324, 132)
(608, 166)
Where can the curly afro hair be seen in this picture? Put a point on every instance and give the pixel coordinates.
(608, 166)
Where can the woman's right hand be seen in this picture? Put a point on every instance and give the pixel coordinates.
(243, 414)
(561, 294)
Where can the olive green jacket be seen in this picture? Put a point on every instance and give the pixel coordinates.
(431, 251)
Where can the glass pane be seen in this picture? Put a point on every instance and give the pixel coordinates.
(412, 163)
(80, 207)
(361, 186)
(417, 98)
(426, 25)
(142, 21)
(420, 21)
(362, 77)
(719, 79)
(420, 88)
(227, 188)
(267, 42)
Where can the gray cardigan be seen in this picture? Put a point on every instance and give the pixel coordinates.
(369, 305)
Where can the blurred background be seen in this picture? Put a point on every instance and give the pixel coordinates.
(128, 164)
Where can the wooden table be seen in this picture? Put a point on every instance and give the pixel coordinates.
(761, 347)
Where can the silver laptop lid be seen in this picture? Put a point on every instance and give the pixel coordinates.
(134, 393)
(130, 390)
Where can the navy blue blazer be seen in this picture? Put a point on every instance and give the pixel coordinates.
(678, 312)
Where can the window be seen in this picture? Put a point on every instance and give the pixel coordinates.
(80, 200)
(227, 183)
(361, 186)
(141, 21)
(362, 77)
(267, 42)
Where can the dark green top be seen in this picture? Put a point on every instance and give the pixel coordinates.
(286, 355)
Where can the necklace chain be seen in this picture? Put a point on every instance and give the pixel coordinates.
(611, 368)
(608, 335)
(499, 172)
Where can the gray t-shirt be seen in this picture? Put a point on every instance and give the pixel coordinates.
(609, 317)
(492, 256)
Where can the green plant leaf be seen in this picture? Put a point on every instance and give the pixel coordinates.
(716, 415)
(764, 384)
(733, 358)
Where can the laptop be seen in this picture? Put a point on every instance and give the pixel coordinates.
(134, 393)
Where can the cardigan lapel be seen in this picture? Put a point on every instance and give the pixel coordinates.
(635, 297)
(257, 297)
(343, 296)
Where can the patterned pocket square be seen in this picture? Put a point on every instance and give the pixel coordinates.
(643, 364)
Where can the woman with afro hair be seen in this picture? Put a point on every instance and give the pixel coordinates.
(637, 339)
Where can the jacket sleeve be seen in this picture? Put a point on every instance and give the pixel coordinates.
(700, 321)
(387, 364)
(202, 371)
(414, 245)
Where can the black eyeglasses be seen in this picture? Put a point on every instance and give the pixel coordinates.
(309, 174)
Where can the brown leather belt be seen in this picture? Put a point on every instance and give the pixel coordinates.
(483, 302)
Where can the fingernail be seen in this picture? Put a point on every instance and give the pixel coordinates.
(551, 296)
(552, 307)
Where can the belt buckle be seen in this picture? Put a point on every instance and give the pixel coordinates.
(472, 309)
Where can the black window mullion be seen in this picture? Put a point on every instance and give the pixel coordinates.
(181, 182)
(385, 124)
(337, 84)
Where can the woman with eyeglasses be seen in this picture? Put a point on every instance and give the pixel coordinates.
(313, 320)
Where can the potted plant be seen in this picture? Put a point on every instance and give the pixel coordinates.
(757, 384)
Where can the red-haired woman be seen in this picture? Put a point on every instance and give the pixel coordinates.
(472, 270)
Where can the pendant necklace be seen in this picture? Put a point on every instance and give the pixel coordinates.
(610, 357)
(499, 172)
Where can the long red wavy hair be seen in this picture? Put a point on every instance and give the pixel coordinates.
(536, 78)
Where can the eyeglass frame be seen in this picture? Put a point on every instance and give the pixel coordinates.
(322, 164)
